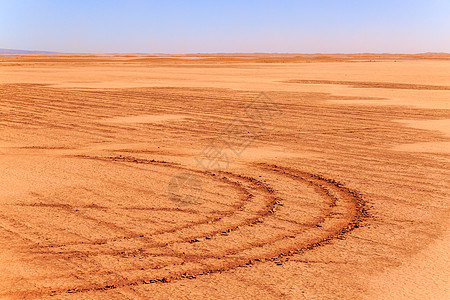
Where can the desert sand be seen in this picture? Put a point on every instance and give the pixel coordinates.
(224, 177)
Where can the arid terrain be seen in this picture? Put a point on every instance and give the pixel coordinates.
(224, 177)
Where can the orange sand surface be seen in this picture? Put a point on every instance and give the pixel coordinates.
(224, 177)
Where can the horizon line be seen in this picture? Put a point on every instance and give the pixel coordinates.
(3, 51)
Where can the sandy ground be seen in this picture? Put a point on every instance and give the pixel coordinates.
(132, 178)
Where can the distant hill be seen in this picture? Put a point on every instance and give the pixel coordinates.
(14, 51)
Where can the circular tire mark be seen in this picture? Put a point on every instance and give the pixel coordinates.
(346, 210)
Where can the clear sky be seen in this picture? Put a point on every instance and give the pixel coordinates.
(175, 26)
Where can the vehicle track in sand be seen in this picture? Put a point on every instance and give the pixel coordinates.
(261, 225)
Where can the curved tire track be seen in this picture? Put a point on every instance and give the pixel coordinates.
(268, 233)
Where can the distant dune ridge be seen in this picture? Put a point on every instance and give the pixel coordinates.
(440, 55)
(15, 51)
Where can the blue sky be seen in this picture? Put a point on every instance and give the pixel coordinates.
(173, 26)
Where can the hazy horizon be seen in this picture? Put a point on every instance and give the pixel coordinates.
(32, 51)
(152, 27)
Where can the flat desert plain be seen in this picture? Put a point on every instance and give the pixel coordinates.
(228, 177)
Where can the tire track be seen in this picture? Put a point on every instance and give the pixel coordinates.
(260, 238)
